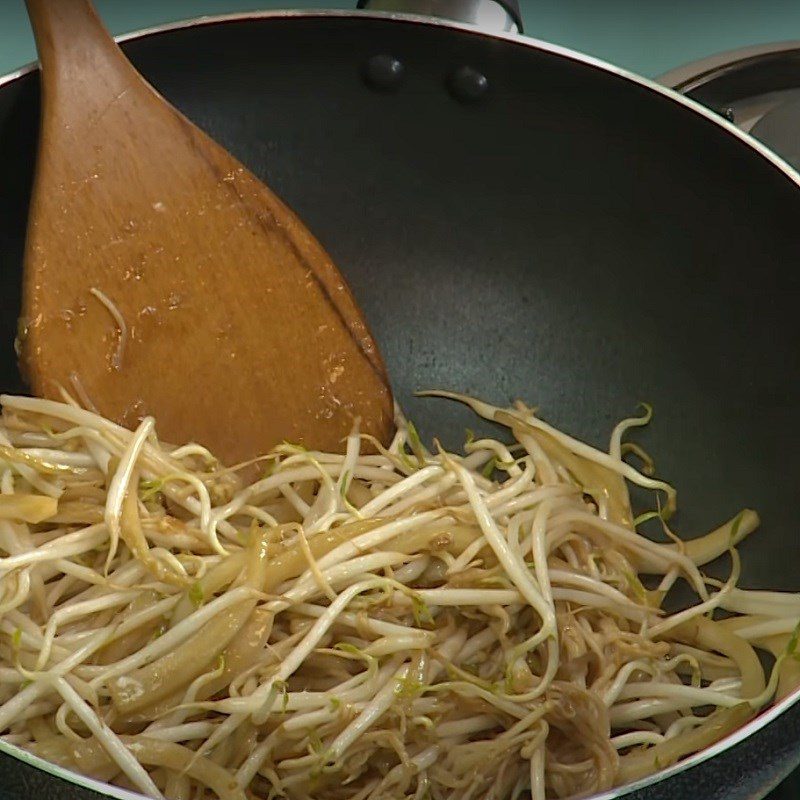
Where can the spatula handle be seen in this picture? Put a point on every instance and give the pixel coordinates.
(79, 58)
(64, 27)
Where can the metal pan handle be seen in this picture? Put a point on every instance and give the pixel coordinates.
(491, 15)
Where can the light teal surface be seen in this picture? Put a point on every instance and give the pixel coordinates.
(646, 36)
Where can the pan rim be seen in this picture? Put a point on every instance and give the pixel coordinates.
(762, 719)
(512, 38)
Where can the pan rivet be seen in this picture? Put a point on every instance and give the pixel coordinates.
(384, 73)
(467, 84)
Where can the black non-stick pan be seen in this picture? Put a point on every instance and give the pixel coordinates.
(516, 220)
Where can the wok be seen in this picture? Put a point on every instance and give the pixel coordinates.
(516, 220)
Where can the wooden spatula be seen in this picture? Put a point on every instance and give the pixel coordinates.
(161, 277)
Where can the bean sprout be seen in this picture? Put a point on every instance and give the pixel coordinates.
(407, 623)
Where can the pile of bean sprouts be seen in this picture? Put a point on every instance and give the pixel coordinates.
(387, 623)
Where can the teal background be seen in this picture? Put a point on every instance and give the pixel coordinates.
(646, 36)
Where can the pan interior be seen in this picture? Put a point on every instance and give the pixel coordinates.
(569, 238)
